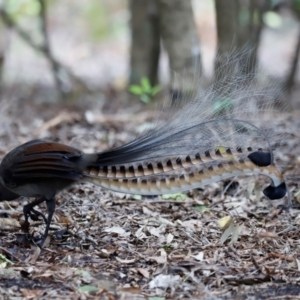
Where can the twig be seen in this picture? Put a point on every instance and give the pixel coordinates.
(9, 22)
(9, 211)
(256, 265)
(47, 50)
(6, 251)
(62, 117)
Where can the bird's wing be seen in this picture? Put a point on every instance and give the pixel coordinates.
(37, 159)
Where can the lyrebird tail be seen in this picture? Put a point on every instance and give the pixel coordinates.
(221, 131)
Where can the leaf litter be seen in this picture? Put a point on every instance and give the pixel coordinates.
(221, 242)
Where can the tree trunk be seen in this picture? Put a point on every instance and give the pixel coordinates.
(249, 27)
(145, 41)
(180, 39)
(290, 81)
(226, 14)
(4, 44)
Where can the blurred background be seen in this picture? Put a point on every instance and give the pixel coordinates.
(120, 52)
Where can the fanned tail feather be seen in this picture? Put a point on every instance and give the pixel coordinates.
(220, 132)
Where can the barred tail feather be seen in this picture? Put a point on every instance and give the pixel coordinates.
(192, 178)
(227, 123)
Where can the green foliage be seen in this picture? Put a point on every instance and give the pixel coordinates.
(176, 196)
(137, 197)
(167, 246)
(296, 5)
(104, 18)
(4, 262)
(17, 8)
(145, 91)
(97, 17)
(88, 288)
(202, 208)
(272, 19)
(84, 273)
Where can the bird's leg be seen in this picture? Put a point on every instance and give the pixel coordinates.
(35, 214)
(29, 211)
(50, 208)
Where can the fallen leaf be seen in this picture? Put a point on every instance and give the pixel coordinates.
(225, 222)
(83, 273)
(7, 222)
(144, 272)
(126, 261)
(140, 234)
(104, 253)
(137, 197)
(116, 229)
(5, 261)
(176, 196)
(199, 256)
(267, 234)
(156, 231)
(169, 238)
(88, 288)
(164, 281)
(35, 256)
(64, 220)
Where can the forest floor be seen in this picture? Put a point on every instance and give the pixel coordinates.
(107, 245)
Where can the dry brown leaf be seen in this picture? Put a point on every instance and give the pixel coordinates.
(199, 256)
(267, 234)
(31, 294)
(140, 234)
(60, 118)
(156, 231)
(169, 238)
(148, 212)
(33, 258)
(64, 220)
(162, 259)
(144, 272)
(115, 229)
(7, 223)
(126, 261)
(104, 253)
(165, 281)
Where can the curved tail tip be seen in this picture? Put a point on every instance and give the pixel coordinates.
(275, 192)
(260, 158)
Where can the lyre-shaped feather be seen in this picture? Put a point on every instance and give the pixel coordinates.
(222, 131)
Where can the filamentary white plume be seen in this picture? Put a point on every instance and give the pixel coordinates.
(221, 131)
